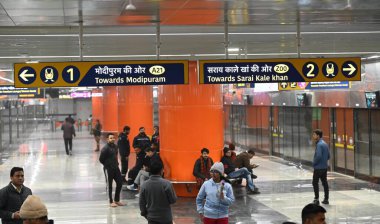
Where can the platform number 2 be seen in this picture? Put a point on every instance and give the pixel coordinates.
(310, 70)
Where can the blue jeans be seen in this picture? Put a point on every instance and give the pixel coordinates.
(243, 173)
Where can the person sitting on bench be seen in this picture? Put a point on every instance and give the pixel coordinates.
(233, 173)
(202, 167)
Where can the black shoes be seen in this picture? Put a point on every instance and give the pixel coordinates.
(256, 191)
(253, 176)
(316, 202)
(326, 202)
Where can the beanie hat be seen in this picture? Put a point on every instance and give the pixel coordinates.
(225, 150)
(33, 208)
(218, 166)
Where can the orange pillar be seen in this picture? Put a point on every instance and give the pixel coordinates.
(135, 109)
(191, 118)
(97, 106)
(110, 118)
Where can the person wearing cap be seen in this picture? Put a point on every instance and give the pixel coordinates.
(219, 196)
(233, 172)
(34, 211)
(202, 166)
(12, 196)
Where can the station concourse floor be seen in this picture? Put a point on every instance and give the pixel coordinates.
(73, 188)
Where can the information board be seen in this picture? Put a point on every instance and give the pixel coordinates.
(279, 70)
(115, 73)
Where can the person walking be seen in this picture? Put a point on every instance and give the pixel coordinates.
(320, 160)
(219, 197)
(97, 131)
(156, 196)
(68, 134)
(124, 150)
(12, 196)
(108, 157)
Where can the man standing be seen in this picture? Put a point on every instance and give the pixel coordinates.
(141, 141)
(12, 197)
(68, 133)
(156, 196)
(321, 156)
(97, 131)
(124, 150)
(108, 157)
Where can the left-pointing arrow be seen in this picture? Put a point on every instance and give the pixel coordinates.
(24, 75)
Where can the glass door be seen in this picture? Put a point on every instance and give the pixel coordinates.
(344, 160)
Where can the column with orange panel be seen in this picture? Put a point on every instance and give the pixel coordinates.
(135, 109)
(97, 106)
(191, 118)
(110, 113)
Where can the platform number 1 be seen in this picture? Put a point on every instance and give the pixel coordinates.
(71, 74)
(310, 70)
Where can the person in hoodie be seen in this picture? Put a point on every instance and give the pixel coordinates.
(124, 150)
(108, 157)
(218, 195)
(232, 172)
(141, 141)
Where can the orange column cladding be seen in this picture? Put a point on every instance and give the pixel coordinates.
(135, 109)
(97, 106)
(110, 118)
(191, 118)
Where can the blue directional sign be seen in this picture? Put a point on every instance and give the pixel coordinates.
(116, 73)
(279, 70)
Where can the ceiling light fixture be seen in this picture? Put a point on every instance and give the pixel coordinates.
(233, 49)
(130, 6)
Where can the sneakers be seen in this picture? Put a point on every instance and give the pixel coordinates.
(137, 195)
(326, 202)
(132, 187)
(256, 191)
(253, 176)
(316, 202)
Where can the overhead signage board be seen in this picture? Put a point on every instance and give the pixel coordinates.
(314, 85)
(279, 70)
(21, 92)
(115, 73)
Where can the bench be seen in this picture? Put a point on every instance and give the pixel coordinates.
(187, 184)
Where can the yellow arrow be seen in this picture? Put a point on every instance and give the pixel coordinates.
(351, 68)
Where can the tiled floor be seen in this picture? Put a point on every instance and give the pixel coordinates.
(73, 188)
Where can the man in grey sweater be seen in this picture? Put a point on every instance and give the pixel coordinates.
(156, 196)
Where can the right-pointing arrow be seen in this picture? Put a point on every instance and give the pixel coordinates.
(24, 75)
(351, 69)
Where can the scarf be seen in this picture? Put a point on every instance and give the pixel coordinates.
(205, 168)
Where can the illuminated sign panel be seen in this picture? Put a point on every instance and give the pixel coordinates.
(279, 70)
(73, 74)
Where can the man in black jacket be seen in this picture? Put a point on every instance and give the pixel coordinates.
(141, 141)
(201, 170)
(124, 150)
(232, 172)
(12, 197)
(108, 157)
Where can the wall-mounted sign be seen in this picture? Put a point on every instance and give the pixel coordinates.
(279, 70)
(115, 73)
(21, 92)
(314, 85)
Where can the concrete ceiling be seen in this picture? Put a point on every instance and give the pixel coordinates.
(49, 30)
